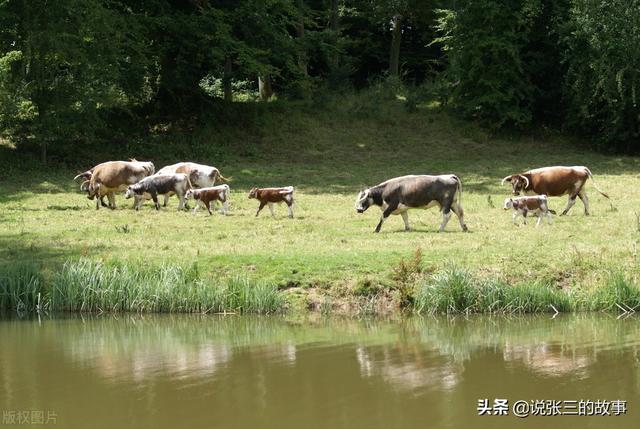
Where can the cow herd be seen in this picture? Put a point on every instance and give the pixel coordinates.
(197, 182)
(398, 195)
(186, 180)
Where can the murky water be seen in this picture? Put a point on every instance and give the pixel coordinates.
(259, 372)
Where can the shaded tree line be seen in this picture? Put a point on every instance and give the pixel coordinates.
(68, 67)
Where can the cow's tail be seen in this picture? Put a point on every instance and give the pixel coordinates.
(221, 177)
(459, 188)
(595, 184)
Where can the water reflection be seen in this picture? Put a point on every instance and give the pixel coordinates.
(377, 372)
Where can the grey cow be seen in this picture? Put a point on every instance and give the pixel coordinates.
(160, 184)
(397, 195)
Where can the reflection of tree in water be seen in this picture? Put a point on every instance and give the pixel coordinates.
(551, 359)
(408, 368)
(412, 352)
(433, 351)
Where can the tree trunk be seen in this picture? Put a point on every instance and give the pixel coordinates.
(396, 39)
(226, 80)
(264, 87)
(44, 152)
(302, 55)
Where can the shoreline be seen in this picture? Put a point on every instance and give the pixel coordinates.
(87, 286)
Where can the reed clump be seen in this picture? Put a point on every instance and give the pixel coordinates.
(90, 286)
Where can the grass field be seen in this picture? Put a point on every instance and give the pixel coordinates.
(328, 155)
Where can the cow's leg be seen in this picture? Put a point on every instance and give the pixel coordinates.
(154, 197)
(405, 218)
(570, 203)
(271, 209)
(515, 217)
(196, 206)
(112, 200)
(548, 215)
(262, 204)
(457, 209)
(183, 201)
(385, 214)
(225, 208)
(583, 196)
(290, 207)
(102, 203)
(166, 200)
(208, 206)
(539, 216)
(446, 215)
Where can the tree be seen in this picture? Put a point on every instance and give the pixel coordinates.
(603, 77)
(484, 41)
(59, 63)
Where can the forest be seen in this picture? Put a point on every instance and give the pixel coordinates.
(79, 72)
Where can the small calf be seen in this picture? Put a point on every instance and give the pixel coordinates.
(208, 195)
(160, 184)
(273, 195)
(523, 205)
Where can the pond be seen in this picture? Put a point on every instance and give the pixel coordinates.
(313, 372)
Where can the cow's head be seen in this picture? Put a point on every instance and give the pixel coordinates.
(191, 193)
(519, 183)
(508, 203)
(130, 192)
(363, 201)
(93, 190)
(253, 193)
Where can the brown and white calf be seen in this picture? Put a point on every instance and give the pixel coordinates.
(522, 206)
(268, 196)
(200, 175)
(207, 196)
(554, 182)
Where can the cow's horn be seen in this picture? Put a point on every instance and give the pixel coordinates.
(508, 178)
(526, 180)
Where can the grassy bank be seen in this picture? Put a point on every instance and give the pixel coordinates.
(85, 286)
(327, 252)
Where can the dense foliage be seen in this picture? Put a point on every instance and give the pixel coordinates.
(77, 70)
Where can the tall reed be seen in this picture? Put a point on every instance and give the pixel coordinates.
(90, 286)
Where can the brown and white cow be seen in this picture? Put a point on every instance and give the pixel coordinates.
(209, 196)
(554, 182)
(397, 195)
(111, 177)
(160, 184)
(200, 175)
(269, 196)
(522, 206)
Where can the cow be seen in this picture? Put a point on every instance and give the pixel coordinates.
(522, 206)
(554, 182)
(200, 175)
(207, 196)
(160, 184)
(111, 177)
(84, 186)
(269, 196)
(398, 195)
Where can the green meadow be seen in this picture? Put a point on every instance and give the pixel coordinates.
(328, 154)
